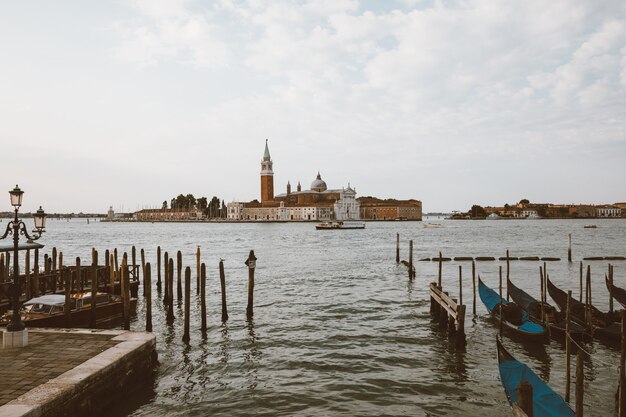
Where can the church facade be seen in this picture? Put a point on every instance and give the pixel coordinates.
(318, 203)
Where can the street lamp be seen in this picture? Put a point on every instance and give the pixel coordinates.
(17, 227)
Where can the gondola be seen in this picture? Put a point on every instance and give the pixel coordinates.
(554, 318)
(618, 293)
(546, 402)
(601, 323)
(515, 319)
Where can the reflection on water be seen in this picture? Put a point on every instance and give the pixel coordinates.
(338, 328)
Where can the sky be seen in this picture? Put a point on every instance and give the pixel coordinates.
(130, 103)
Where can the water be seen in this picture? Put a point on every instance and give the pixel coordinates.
(338, 329)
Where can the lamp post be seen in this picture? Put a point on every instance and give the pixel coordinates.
(17, 227)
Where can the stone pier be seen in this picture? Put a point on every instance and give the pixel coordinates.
(73, 372)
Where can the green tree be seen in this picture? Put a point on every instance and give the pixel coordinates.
(164, 207)
(478, 211)
(524, 202)
(202, 203)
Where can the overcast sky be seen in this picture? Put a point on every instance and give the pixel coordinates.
(129, 103)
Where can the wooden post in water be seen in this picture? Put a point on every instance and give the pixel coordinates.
(525, 397)
(223, 286)
(507, 274)
(580, 380)
(111, 273)
(117, 266)
(460, 285)
(410, 259)
(581, 282)
(58, 277)
(609, 278)
(133, 257)
(54, 258)
(36, 274)
(170, 294)
(588, 309)
(251, 264)
(569, 249)
(158, 269)
(500, 312)
(541, 279)
(187, 304)
(198, 270)
(2, 266)
(79, 280)
(179, 269)
(27, 282)
(46, 269)
(621, 407)
(147, 282)
(397, 248)
(94, 291)
(166, 296)
(568, 376)
(474, 288)
(143, 270)
(67, 306)
(439, 280)
(203, 298)
(126, 297)
(107, 258)
(94, 255)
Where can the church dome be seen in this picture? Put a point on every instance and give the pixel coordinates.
(319, 184)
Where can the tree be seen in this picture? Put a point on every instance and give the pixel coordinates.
(164, 207)
(202, 203)
(478, 211)
(524, 202)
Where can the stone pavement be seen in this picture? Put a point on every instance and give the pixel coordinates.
(48, 355)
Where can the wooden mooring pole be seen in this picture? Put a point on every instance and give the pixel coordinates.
(251, 264)
(147, 282)
(203, 298)
(397, 248)
(179, 270)
(621, 396)
(581, 282)
(460, 284)
(580, 381)
(126, 295)
(27, 282)
(143, 270)
(569, 249)
(568, 376)
(159, 269)
(500, 304)
(170, 293)
(223, 286)
(68, 291)
(36, 274)
(473, 288)
(94, 291)
(525, 398)
(439, 276)
(508, 267)
(166, 296)
(411, 260)
(198, 270)
(187, 304)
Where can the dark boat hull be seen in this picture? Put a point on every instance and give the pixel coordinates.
(82, 318)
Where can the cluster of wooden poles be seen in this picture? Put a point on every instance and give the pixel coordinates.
(116, 278)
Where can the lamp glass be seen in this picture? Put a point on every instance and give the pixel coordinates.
(16, 196)
(40, 219)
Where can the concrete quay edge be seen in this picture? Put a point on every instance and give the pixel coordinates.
(75, 384)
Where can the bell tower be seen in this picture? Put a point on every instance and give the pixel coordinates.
(267, 177)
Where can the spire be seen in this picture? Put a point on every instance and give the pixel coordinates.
(319, 177)
(266, 155)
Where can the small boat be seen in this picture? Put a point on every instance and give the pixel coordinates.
(590, 226)
(546, 402)
(515, 318)
(601, 324)
(340, 225)
(48, 310)
(432, 225)
(555, 319)
(618, 293)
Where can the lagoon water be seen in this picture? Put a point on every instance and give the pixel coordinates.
(338, 329)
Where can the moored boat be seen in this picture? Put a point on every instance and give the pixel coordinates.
(335, 225)
(601, 323)
(49, 310)
(515, 319)
(555, 319)
(546, 402)
(618, 293)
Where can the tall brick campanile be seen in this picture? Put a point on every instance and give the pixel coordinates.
(267, 177)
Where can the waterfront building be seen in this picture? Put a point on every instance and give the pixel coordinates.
(608, 211)
(319, 203)
(167, 215)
